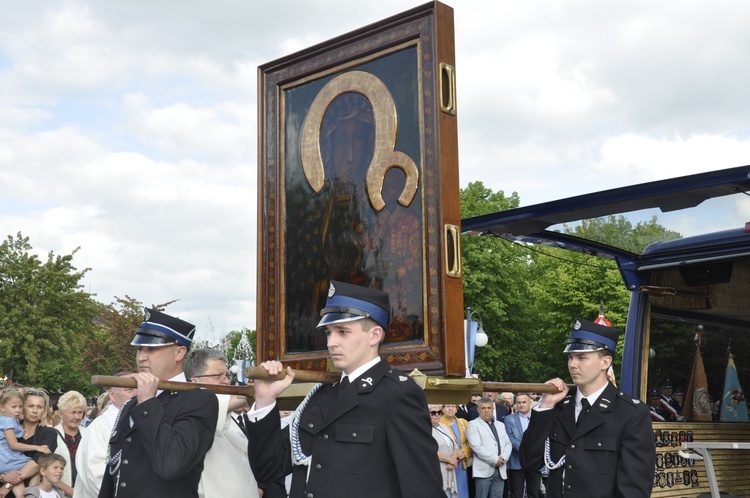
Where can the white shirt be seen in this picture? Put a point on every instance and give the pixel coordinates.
(91, 457)
(226, 468)
(592, 398)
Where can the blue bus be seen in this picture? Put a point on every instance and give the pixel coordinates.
(686, 347)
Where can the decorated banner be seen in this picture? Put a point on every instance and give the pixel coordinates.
(733, 405)
(697, 407)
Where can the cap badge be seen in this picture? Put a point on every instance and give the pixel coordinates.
(577, 325)
(146, 315)
(403, 378)
(331, 290)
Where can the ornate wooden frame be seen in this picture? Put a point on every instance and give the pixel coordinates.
(403, 68)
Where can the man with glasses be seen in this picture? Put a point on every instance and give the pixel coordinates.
(226, 469)
(160, 439)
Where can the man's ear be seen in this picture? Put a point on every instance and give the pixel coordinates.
(377, 334)
(608, 359)
(181, 353)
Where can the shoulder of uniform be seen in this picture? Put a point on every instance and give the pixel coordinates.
(628, 398)
(565, 401)
(398, 376)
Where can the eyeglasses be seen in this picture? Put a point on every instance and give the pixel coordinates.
(434, 413)
(215, 376)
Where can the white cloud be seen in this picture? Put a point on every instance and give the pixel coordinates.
(129, 128)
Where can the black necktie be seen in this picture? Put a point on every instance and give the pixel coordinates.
(344, 382)
(497, 438)
(584, 410)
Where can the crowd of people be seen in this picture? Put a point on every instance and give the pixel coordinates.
(371, 434)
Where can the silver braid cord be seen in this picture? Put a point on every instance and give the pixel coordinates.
(548, 461)
(298, 456)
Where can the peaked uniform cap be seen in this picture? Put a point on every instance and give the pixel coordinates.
(160, 329)
(589, 336)
(349, 302)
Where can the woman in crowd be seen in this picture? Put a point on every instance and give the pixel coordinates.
(71, 406)
(15, 466)
(447, 451)
(458, 432)
(35, 404)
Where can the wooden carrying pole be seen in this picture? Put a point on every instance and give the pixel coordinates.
(437, 389)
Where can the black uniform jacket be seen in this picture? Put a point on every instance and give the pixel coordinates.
(162, 453)
(371, 439)
(611, 454)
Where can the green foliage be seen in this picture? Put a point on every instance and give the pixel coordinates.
(495, 285)
(45, 317)
(110, 351)
(617, 231)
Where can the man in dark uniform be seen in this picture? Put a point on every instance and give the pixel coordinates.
(368, 435)
(655, 407)
(160, 437)
(595, 440)
(669, 407)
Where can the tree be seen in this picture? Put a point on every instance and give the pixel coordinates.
(110, 351)
(45, 317)
(495, 276)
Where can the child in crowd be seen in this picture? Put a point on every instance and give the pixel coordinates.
(51, 468)
(11, 458)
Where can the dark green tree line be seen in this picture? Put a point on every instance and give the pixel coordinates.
(45, 317)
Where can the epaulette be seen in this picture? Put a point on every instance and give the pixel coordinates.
(397, 376)
(627, 397)
(565, 401)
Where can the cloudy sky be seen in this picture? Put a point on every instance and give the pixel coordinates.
(128, 129)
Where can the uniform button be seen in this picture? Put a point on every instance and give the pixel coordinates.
(310, 425)
(568, 486)
(125, 461)
(569, 467)
(318, 467)
(354, 435)
(128, 439)
(572, 446)
(309, 495)
(123, 484)
(144, 413)
(599, 444)
(325, 437)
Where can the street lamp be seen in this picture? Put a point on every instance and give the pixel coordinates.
(481, 337)
(475, 337)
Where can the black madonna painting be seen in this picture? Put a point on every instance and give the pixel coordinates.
(351, 183)
(350, 189)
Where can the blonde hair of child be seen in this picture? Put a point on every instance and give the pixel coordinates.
(49, 458)
(8, 394)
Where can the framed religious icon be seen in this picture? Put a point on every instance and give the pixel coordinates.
(359, 183)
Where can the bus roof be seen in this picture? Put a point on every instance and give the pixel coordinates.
(689, 206)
